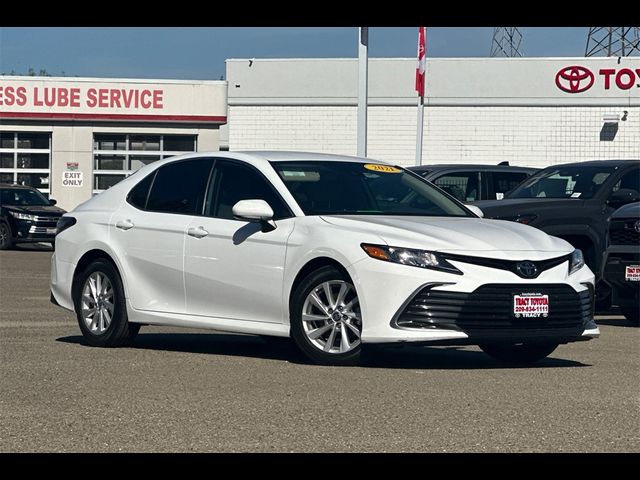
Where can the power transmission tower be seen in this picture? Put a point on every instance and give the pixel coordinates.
(613, 41)
(506, 42)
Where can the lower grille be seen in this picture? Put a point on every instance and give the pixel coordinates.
(487, 311)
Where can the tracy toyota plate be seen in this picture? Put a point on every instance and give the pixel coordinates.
(632, 273)
(336, 252)
(531, 305)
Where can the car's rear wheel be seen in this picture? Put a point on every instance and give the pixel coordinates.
(632, 314)
(100, 306)
(519, 354)
(5, 237)
(326, 320)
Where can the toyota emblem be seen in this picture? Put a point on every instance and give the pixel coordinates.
(527, 269)
(636, 226)
(574, 79)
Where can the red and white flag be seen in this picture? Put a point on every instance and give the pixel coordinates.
(420, 69)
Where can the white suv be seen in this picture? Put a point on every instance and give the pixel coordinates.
(333, 251)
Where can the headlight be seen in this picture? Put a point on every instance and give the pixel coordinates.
(23, 216)
(576, 261)
(409, 256)
(64, 223)
(524, 219)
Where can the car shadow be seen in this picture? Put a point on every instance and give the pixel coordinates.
(615, 322)
(423, 358)
(33, 247)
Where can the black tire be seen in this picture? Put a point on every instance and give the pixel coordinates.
(632, 314)
(519, 354)
(603, 297)
(6, 241)
(311, 281)
(119, 332)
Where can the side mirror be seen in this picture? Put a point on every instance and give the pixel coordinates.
(475, 210)
(255, 211)
(622, 197)
(52, 201)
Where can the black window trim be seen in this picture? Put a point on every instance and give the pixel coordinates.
(153, 181)
(214, 162)
(260, 174)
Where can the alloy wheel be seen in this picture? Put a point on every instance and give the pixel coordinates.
(97, 303)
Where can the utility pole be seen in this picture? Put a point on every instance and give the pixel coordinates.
(613, 41)
(363, 84)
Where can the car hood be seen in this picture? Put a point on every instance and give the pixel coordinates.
(511, 207)
(42, 210)
(474, 236)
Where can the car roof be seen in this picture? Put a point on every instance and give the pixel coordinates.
(597, 163)
(13, 185)
(284, 156)
(470, 166)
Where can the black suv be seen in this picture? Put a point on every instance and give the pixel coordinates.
(469, 183)
(26, 216)
(573, 201)
(622, 260)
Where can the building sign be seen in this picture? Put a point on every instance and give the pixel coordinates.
(71, 178)
(106, 99)
(577, 79)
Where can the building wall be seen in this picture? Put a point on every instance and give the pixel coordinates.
(194, 108)
(477, 110)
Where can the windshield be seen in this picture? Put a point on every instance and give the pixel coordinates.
(350, 188)
(22, 196)
(563, 182)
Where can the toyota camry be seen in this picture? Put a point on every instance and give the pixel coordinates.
(336, 252)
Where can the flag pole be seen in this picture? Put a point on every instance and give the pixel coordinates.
(420, 130)
(363, 66)
(420, 81)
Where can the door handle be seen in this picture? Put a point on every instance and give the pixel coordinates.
(197, 232)
(124, 224)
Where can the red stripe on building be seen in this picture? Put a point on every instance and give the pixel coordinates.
(115, 116)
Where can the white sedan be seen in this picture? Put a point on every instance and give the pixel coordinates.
(336, 252)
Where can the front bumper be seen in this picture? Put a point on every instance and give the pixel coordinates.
(386, 290)
(617, 259)
(25, 231)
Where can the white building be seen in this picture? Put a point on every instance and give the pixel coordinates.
(74, 137)
(529, 111)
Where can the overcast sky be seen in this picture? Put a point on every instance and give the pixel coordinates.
(199, 53)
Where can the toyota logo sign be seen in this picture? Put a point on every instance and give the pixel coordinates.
(574, 79)
(527, 269)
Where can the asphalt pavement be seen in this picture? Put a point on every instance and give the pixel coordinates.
(198, 390)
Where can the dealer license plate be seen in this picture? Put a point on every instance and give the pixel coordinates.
(51, 231)
(530, 305)
(632, 273)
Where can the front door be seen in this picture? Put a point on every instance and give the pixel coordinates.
(233, 269)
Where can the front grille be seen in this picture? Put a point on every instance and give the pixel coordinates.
(622, 232)
(488, 310)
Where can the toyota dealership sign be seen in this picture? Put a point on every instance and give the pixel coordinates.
(578, 79)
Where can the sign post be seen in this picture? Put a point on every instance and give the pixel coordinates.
(420, 70)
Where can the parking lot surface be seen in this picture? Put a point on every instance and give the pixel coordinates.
(198, 390)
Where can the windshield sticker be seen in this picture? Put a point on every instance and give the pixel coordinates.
(499, 195)
(575, 194)
(382, 168)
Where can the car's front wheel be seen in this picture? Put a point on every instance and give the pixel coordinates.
(5, 237)
(100, 306)
(519, 354)
(326, 320)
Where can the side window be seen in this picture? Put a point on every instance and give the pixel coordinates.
(138, 194)
(461, 185)
(232, 183)
(505, 181)
(180, 187)
(629, 180)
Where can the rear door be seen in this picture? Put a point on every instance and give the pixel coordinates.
(464, 186)
(150, 227)
(501, 182)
